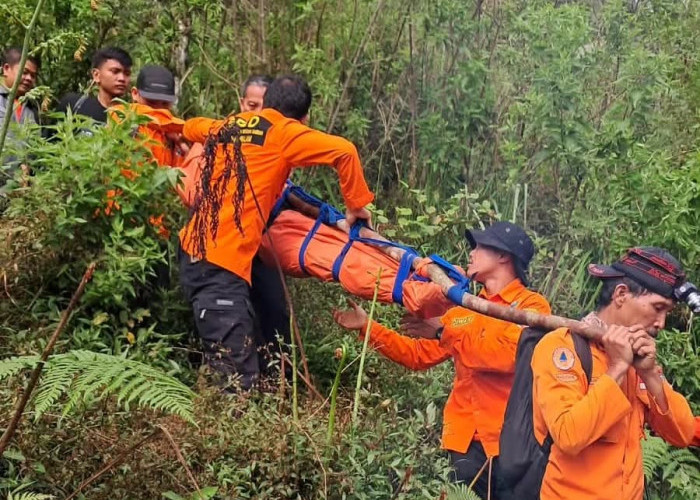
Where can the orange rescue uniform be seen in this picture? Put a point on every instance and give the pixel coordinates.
(483, 352)
(162, 122)
(596, 454)
(272, 145)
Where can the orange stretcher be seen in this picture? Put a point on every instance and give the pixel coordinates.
(307, 247)
(314, 247)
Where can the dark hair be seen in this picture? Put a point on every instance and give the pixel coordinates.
(606, 292)
(257, 80)
(106, 53)
(290, 95)
(13, 55)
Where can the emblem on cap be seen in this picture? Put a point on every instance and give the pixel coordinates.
(563, 358)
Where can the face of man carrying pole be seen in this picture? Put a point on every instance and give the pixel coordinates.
(592, 425)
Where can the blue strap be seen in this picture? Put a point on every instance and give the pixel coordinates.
(461, 286)
(305, 245)
(353, 237)
(456, 294)
(291, 188)
(277, 207)
(326, 215)
(402, 274)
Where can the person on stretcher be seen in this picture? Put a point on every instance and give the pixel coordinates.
(482, 349)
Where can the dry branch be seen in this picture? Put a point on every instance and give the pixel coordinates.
(36, 372)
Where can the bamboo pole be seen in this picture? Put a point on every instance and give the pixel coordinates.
(471, 302)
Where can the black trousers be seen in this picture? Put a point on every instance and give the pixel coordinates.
(224, 318)
(272, 316)
(465, 467)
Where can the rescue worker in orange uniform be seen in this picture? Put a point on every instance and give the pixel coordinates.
(596, 431)
(153, 97)
(248, 159)
(481, 348)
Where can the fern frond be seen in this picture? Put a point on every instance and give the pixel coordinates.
(102, 375)
(461, 492)
(28, 495)
(56, 379)
(87, 377)
(654, 455)
(12, 366)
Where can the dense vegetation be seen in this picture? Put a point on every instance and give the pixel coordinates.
(576, 119)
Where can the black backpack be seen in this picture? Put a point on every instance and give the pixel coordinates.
(522, 461)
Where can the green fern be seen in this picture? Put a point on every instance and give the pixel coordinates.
(19, 494)
(654, 455)
(12, 366)
(671, 472)
(461, 492)
(86, 377)
(27, 495)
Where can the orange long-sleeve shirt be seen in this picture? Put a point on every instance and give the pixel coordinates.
(596, 430)
(155, 131)
(272, 145)
(483, 352)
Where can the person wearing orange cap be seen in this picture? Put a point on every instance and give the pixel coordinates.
(482, 349)
(595, 430)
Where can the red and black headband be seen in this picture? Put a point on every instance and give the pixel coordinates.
(654, 269)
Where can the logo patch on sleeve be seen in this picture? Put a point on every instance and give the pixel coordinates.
(462, 321)
(563, 358)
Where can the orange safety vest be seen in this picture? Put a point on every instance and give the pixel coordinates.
(483, 352)
(596, 452)
(272, 145)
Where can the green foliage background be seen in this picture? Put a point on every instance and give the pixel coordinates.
(576, 119)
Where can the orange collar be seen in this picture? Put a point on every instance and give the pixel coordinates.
(507, 293)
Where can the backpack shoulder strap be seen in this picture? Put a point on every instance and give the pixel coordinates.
(583, 351)
(79, 103)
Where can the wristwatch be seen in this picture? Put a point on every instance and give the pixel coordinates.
(438, 332)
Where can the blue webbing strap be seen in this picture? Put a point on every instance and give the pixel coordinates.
(402, 274)
(353, 236)
(277, 207)
(461, 287)
(327, 215)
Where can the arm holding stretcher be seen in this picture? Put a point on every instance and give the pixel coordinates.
(415, 354)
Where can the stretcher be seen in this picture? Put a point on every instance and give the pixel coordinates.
(307, 246)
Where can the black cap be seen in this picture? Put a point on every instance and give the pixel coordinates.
(156, 83)
(510, 238)
(652, 267)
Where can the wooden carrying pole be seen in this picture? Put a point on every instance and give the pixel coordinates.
(472, 302)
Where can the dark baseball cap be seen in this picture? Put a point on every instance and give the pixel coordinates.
(652, 267)
(156, 83)
(510, 238)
